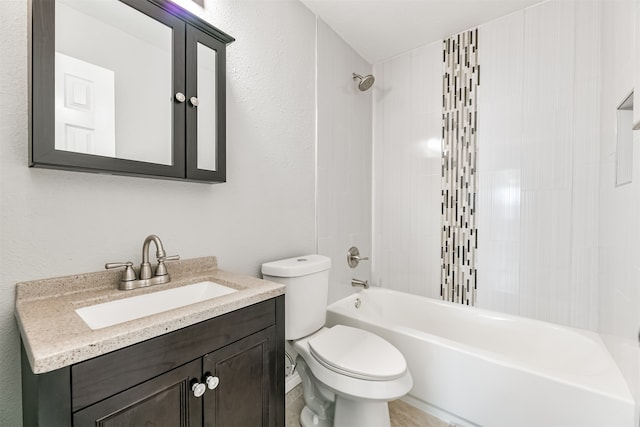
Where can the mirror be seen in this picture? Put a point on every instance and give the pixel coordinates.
(207, 141)
(113, 82)
(133, 87)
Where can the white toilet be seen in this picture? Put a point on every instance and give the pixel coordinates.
(348, 375)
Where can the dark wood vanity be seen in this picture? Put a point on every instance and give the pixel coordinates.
(218, 361)
(151, 382)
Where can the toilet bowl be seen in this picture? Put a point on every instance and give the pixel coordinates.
(363, 374)
(348, 374)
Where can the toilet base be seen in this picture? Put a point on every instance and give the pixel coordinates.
(309, 419)
(327, 408)
(350, 413)
(361, 413)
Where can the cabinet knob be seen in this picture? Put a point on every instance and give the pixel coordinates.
(180, 97)
(194, 101)
(198, 389)
(212, 382)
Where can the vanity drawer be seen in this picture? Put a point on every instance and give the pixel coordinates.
(106, 375)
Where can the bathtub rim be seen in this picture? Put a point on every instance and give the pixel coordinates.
(621, 391)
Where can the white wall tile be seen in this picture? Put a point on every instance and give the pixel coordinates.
(619, 207)
(407, 152)
(344, 160)
(394, 189)
(499, 162)
(538, 130)
(585, 184)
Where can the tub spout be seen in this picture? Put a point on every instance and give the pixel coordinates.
(361, 283)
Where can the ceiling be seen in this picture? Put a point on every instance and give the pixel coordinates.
(380, 29)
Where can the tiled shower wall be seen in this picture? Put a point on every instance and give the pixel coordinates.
(407, 171)
(538, 165)
(538, 115)
(619, 206)
(458, 276)
(344, 160)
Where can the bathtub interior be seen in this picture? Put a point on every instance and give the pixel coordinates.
(570, 363)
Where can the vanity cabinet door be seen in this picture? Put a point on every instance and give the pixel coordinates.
(206, 148)
(246, 375)
(166, 400)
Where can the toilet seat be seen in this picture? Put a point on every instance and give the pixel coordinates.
(358, 354)
(348, 386)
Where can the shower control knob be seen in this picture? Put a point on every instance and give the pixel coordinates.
(354, 258)
(212, 382)
(198, 389)
(194, 101)
(180, 97)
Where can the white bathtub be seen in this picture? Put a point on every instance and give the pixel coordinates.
(494, 369)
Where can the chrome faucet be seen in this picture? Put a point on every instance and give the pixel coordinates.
(129, 280)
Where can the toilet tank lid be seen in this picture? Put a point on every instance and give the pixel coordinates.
(298, 266)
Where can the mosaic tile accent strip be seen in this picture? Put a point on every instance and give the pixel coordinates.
(461, 78)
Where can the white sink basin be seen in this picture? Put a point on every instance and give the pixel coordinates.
(122, 310)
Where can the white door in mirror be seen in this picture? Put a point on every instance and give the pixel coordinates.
(85, 107)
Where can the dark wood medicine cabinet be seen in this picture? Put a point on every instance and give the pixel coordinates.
(129, 87)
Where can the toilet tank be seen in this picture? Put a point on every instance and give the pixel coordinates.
(307, 281)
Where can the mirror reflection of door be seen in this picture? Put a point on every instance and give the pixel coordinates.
(85, 107)
(113, 69)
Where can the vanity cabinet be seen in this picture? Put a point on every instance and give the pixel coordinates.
(242, 394)
(151, 383)
(132, 87)
(164, 400)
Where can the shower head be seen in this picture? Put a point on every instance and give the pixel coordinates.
(365, 82)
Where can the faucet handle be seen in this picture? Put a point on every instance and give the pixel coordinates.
(128, 275)
(161, 269)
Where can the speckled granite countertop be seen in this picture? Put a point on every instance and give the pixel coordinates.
(55, 336)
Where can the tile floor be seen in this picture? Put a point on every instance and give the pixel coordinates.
(402, 414)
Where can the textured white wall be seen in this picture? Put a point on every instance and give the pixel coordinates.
(619, 229)
(407, 171)
(344, 160)
(55, 223)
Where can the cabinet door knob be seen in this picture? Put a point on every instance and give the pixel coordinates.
(198, 389)
(212, 382)
(194, 101)
(180, 97)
